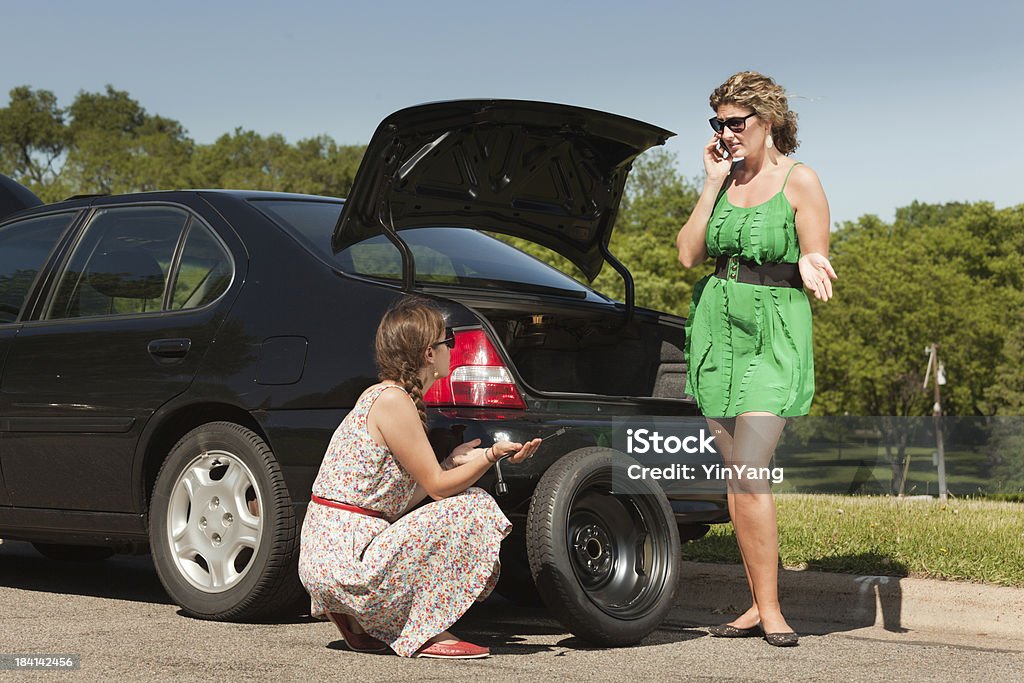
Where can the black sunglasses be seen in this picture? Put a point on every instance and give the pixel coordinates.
(449, 339)
(736, 124)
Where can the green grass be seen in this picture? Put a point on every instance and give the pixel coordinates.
(967, 540)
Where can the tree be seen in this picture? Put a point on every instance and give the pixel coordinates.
(939, 273)
(116, 146)
(246, 159)
(106, 142)
(33, 137)
(656, 202)
(243, 159)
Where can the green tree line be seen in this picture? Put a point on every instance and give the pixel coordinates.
(106, 142)
(952, 274)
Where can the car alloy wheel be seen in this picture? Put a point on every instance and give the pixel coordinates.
(213, 521)
(222, 527)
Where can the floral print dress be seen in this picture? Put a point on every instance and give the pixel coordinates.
(405, 581)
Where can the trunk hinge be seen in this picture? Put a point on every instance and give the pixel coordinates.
(627, 279)
(391, 157)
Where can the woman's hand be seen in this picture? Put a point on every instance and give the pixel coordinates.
(461, 454)
(716, 165)
(817, 274)
(516, 452)
(465, 452)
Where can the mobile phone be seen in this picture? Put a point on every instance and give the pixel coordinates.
(723, 149)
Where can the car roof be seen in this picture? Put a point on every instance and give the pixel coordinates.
(81, 201)
(266, 194)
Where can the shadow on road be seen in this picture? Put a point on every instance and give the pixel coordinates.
(854, 600)
(122, 577)
(502, 625)
(816, 602)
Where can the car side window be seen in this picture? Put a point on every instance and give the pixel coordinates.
(120, 266)
(24, 247)
(204, 271)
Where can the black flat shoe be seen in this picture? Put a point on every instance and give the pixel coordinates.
(727, 631)
(785, 639)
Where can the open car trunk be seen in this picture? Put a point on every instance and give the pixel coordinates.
(589, 349)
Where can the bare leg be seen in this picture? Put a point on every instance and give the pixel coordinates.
(753, 510)
(723, 429)
(354, 625)
(446, 637)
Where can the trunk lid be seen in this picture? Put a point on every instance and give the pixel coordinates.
(549, 173)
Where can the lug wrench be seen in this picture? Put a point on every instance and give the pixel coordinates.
(500, 487)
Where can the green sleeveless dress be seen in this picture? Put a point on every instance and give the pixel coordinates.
(748, 347)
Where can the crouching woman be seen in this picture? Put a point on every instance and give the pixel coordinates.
(385, 576)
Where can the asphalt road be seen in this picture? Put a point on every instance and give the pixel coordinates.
(117, 618)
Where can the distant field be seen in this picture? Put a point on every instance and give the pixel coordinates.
(965, 540)
(847, 455)
(865, 470)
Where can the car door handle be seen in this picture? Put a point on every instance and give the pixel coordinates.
(169, 348)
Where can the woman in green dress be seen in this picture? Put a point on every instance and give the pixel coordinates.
(765, 219)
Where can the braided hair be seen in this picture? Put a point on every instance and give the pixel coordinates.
(407, 329)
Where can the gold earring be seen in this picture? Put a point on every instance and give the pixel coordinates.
(768, 142)
(436, 374)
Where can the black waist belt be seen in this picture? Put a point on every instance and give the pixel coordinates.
(751, 273)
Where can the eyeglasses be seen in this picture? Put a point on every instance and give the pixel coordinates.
(736, 124)
(449, 339)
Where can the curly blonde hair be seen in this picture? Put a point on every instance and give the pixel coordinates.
(752, 90)
(408, 328)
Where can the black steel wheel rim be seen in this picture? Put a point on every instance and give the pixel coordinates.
(618, 546)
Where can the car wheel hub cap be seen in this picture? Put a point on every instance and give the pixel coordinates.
(214, 521)
(593, 551)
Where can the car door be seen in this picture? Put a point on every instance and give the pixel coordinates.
(127, 319)
(24, 249)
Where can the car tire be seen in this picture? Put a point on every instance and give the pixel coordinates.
(220, 555)
(73, 553)
(607, 566)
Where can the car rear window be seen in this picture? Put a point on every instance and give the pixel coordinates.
(454, 256)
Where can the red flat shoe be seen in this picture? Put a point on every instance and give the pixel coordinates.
(459, 650)
(357, 642)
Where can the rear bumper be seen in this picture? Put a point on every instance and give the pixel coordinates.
(449, 428)
(299, 439)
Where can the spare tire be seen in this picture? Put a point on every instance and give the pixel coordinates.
(606, 564)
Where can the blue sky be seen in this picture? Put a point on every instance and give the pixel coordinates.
(897, 100)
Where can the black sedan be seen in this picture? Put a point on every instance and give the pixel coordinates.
(174, 363)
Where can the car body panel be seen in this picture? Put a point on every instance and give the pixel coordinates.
(60, 387)
(15, 197)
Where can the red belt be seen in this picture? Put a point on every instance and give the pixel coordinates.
(348, 508)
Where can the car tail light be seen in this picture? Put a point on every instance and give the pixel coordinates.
(477, 376)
